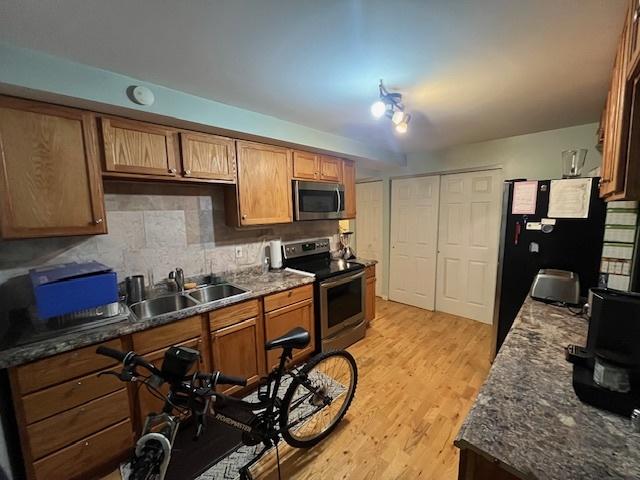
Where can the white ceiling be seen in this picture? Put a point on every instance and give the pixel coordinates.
(469, 70)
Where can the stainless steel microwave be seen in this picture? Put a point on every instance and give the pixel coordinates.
(318, 200)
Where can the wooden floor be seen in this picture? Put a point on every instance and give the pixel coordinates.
(419, 373)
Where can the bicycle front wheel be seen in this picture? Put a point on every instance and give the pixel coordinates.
(318, 398)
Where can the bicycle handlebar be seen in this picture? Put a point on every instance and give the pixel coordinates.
(131, 358)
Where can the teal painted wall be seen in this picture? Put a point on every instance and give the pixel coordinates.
(533, 156)
(40, 72)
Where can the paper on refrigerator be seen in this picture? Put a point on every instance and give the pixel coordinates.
(524, 198)
(570, 198)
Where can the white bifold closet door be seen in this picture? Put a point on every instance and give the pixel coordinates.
(369, 225)
(414, 235)
(468, 243)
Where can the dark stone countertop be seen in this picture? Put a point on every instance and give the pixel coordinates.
(528, 418)
(365, 261)
(17, 348)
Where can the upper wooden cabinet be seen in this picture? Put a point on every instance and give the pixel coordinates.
(139, 148)
(330, 169)
(208, 156)
(349, 180)
(263, 193)
(634, 33)
(49, 174)
(306, 166)
(310, 166)
(620, 178)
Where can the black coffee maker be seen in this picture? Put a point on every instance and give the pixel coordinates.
(606, 374)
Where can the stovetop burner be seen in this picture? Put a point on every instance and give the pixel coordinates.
(314, 257)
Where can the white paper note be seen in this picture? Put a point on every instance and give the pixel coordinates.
(570, 198)
(524, 198)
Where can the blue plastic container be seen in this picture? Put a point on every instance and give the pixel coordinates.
(70, 287)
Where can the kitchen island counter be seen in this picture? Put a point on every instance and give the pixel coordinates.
(528, 423)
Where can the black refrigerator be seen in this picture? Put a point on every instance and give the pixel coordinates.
(573, 244)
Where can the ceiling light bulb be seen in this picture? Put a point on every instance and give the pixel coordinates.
(402, 127)
(378, 109)
(397, 117)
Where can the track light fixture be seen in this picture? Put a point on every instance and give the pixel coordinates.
(390, 104)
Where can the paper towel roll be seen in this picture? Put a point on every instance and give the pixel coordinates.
(275, 246)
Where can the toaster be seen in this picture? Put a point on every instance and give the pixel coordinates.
(551, 285)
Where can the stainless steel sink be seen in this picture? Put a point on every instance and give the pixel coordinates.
(160, 305)
(216, 292)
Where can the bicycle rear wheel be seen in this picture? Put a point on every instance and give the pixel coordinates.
(312, 409)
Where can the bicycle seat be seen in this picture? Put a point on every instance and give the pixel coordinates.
(296, 338)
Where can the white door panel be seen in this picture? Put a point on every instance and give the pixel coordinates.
(369, 225)
(468, 243)
(414, 227)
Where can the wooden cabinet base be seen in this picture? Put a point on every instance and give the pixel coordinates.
(476, 467)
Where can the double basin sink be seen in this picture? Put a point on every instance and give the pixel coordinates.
(183, 300)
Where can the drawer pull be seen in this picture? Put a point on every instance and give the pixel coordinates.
(86, 444)
(80, 383)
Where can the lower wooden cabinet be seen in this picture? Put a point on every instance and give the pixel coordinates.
(280, 321)
(237, 350)
(146, 401)
(87, 457)
(72, 424)
(370, 294)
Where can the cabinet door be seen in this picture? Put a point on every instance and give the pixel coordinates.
(147, 402)
(349, 180)
(330, 169)
(632, 173)
(264, 184)
(370, 300)
(615, 138)
(236, 351)
(634, 32)
(50, 181)
(138, 147)
(280, 321)
(208, 156)
(306, 166)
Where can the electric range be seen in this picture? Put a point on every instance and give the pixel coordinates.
(339, 292)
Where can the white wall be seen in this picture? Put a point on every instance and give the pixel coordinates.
(533, 156)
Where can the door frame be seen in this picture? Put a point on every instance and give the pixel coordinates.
(440, 173)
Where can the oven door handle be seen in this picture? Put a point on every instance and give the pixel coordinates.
(343, 280)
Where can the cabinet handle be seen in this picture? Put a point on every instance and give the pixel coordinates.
(80, 383)
(98, 221)
(187, 172)
(86, 444)
(244, 217)
(172, 170)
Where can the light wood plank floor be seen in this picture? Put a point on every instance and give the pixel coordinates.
(419, 373)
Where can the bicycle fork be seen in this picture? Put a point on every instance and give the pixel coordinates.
(165, 438)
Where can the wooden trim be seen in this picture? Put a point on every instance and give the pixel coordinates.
(114, 176)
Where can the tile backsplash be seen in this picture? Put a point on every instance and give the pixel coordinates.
(152, 228)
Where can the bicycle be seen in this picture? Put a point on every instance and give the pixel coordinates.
(316, 400)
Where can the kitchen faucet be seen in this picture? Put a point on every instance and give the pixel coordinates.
(178, 277)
